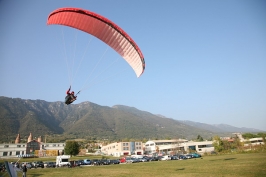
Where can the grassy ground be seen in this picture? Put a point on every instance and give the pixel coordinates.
(253, 164)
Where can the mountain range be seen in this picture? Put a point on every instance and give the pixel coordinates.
(89, 120)
(219, 128)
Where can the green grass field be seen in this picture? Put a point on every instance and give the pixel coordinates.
(251, 164)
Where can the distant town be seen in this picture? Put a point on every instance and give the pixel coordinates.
(38, 148)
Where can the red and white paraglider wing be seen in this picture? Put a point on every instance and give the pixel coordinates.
(103, 29)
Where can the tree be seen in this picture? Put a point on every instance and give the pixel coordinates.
(218, 144)
(144, 140)
(72, 148)
(249, 135)
(263, 135)
(199, 138)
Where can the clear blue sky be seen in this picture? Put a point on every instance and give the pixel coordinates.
(205, 60)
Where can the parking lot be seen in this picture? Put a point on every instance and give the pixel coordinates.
(97, 162)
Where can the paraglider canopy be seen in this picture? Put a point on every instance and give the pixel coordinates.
(103, 29)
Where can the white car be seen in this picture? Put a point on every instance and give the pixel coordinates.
(143, 159)
(166, 157)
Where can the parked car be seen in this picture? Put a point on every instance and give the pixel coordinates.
(87, 162)
(95, 162)
(195, 155)
(166, 157)
(182, 157)
(136, 160)
(77, 163)
(62, 160)
(113, 161)
(159, 158)
(143, 160)
(131, 160)
(148, 158)
(117, 161)
(38, 164)
(123, 160)
(174, 157)
(105, 162)
(189, 156)
(155, 158)
(80, 162)
(50, 165)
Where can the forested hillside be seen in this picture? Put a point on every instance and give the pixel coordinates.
(87, 120)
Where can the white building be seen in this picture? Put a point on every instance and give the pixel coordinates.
(163, 146)
(200, 147)
(27, 149)
(174, 146)
(12, 150)
(123, 148)
(30, 148)
(254, 142)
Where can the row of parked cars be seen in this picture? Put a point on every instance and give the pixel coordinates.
(29, 165)
(159, 158)
(96, 162)
(36, 164)
(186, 156)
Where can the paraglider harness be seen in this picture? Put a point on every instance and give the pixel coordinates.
(70, 98)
